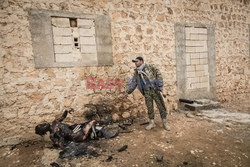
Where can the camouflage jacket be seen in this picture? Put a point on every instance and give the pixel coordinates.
(152, 80)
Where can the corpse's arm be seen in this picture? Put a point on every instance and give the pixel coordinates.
(65, 114)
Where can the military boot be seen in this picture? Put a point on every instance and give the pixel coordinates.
(151, 125)
(165, 125)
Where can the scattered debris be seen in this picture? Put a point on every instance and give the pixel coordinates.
(145, 123)
(124, 126)
(126, 131)
(159, 158)
(97, 111)
(185, 163)
(110, 158)
(54, 164)
(123, 148)
(128, 122)
(76, 149)
(108, 135)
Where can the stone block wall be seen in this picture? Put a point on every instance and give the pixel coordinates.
(196, 58)
(71, 44)
(29, 95)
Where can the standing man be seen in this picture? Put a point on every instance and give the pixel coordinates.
(148, 79)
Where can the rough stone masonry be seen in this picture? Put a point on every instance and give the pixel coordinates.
(141, 27)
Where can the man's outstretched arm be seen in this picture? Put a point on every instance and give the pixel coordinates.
(131, 84)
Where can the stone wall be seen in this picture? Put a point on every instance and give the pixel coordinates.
(140, 27)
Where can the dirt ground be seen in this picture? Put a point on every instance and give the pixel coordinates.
(193, 141)
(238, 106)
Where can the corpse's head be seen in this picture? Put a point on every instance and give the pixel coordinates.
(42, 129)
(138, 61)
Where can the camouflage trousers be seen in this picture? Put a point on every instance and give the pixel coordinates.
(154, 95)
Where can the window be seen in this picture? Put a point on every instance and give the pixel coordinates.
(66, 39)
(74, 39)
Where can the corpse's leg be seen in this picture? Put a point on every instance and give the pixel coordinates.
(86, 129)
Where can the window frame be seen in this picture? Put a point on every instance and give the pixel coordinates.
(42, 39)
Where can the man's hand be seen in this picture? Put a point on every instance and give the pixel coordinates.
(161, 92)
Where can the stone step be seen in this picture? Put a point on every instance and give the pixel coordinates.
(201, 104)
